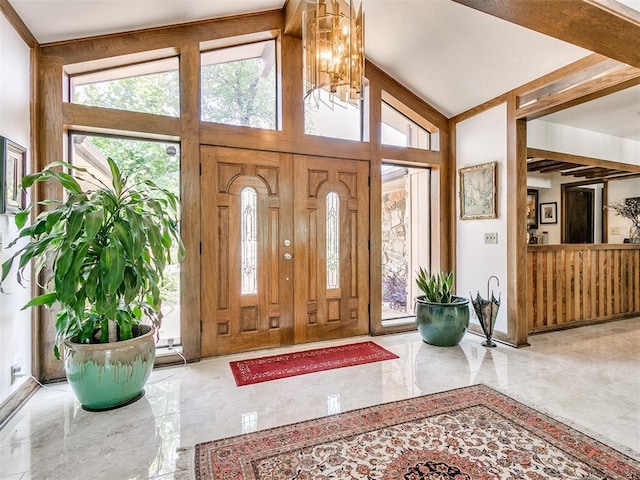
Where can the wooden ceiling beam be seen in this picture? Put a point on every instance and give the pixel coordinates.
(584, 23)
(625, 176)
(557, 166)
(539, 164)
(615, 80)
(581, 160)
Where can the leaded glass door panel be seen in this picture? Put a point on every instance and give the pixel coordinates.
(247, 284)
(331, 217)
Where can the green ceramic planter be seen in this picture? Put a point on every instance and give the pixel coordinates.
(109, 375)
(442, 324)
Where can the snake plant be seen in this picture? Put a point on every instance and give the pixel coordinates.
(437, 287)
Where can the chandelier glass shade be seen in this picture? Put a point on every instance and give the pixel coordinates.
(333, 42)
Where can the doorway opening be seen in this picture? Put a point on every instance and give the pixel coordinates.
(582, 222)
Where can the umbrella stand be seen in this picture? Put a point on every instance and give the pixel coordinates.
(487, 312)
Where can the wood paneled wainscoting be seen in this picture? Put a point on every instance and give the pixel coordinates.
(570, 285)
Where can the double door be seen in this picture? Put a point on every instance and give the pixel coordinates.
(284, 249)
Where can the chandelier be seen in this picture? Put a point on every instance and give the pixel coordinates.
(333, 42)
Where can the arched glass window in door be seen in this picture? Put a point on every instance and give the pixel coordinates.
(249, 240)
(333, 240)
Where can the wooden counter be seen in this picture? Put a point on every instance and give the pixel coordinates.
(573, 284)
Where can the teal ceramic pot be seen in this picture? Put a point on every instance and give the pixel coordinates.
(442, 324)
(109, 375)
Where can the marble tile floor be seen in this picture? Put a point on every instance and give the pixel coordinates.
(588, 376)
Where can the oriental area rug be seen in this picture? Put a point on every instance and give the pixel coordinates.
(471, 433)
(263, 369)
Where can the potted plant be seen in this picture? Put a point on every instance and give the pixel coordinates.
(629, 208)
(442, 318)
(100, 254)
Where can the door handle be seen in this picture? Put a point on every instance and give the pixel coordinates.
(287, 256)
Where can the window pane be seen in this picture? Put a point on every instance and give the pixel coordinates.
(333, 240)
(405, 238)
(327, 117)
(151, 87)
(239, 86)
(249, 240)
(399, 130)
(140, 160)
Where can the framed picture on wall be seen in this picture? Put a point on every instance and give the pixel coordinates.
(12, 168)
(532, 209)
(478, 191)
(549, 213)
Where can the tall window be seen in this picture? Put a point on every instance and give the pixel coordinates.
(239, 85)
(406, 243)
(249, 240)
(150, 87)
(139, 160)
(333, 240)
(404, 127)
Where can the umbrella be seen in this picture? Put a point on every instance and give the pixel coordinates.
(487, 312)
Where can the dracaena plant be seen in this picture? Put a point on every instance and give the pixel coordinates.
(107, 247)
(437, 287)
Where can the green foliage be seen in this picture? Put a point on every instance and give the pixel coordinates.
(437, 287)
(141, 160)
(107, 249)
(235, 93)
(157, 93)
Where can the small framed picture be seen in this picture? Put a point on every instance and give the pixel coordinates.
(549, 212)
(478, 191)
(12, 168)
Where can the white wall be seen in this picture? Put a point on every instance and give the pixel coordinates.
(482, 139)
(578, 141)
(15, 325)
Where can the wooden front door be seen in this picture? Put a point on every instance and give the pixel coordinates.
(332, 255)
(264, 261)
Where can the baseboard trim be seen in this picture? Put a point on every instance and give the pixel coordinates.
(16, 400)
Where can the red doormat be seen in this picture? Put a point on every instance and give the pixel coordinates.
(263, 369)
(471, 433)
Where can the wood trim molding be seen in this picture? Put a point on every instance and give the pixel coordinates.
(375, 210)
(488, 105)
(279, 141)
(517, 288)
(190, 291)
(15, 401)
(414, 156)
(84, 116)
(579, 22)
(293, 17)
(292, 88)
(116, 44)
(16, 22)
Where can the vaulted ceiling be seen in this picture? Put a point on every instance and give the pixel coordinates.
(452, 56)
